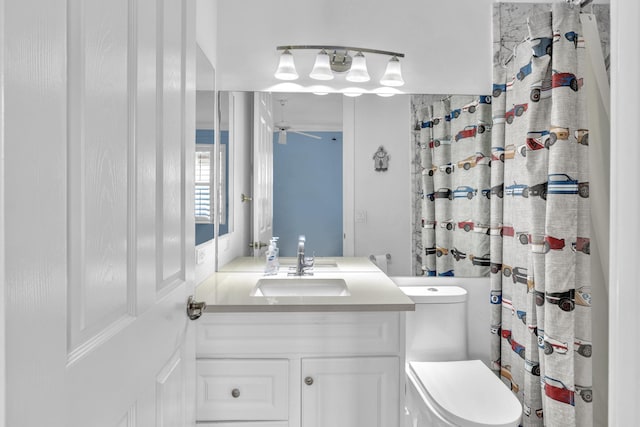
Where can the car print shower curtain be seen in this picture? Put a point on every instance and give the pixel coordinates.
(540, 225)
(455, 144)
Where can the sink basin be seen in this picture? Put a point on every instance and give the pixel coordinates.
(301, 287)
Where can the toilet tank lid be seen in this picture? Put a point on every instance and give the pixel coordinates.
(435, 294)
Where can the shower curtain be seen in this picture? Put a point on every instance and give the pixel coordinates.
(455, 158)
(539, 225)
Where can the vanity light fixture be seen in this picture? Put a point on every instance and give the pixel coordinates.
(286, 67)
(337, 59)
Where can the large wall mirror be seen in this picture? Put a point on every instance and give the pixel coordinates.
(326, 186)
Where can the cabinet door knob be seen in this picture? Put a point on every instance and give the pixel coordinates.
(235, 393)
(308, 381)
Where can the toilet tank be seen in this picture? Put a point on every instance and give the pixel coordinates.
(437, 329)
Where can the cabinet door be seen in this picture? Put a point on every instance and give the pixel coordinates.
(350, 392)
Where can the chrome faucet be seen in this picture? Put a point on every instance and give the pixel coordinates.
(303, 264)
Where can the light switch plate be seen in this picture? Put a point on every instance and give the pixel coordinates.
(200, 255)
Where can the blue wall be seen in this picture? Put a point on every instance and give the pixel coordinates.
(307, 193)
(205, 136)
(204, 233)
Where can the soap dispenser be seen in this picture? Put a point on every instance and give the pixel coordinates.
(272, 265)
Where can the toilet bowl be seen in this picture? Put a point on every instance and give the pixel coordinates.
(443, 388)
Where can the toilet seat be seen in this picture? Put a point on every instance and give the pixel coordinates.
(466, 393)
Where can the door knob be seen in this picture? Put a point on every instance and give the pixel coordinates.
(195, 308)
(235, 393)
(308, 380)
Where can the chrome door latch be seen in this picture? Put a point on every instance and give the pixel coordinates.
(195, 308)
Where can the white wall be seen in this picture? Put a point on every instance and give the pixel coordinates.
(380, 202)
(599, 158)
(3, 380)
(624, 316)
(253, 28)
(205, 254)
(236, 242)
(207, 28)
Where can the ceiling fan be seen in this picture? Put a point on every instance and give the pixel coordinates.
(283, 126)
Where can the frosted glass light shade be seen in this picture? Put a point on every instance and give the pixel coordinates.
(393, 74)
(286, 67)
(358, 72)
(321, 68)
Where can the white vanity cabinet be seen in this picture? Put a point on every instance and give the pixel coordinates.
(277, 369)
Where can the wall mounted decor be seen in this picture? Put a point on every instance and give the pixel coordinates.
(381, 159)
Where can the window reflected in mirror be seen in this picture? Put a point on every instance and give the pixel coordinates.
(204, 186)
(203, 183)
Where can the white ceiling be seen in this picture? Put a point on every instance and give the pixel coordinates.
(447, 43)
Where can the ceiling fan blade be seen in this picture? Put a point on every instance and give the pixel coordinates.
(306, 134)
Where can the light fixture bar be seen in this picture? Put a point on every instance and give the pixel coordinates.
(345, 48)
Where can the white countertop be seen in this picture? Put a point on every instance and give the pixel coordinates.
(232, 288)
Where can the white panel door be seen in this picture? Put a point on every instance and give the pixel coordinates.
(350, 392)
(99, 134)
(262, 171)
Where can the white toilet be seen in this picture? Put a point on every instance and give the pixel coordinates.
(443, 388)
